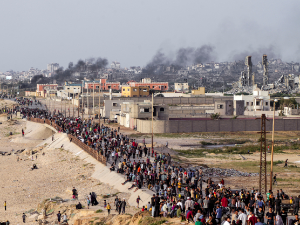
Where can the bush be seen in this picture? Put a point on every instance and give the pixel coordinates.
(99, 211)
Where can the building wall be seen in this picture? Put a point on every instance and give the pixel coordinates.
(103, 85)
(158, 86)
(224, 107)
(181, 86)
(223, 125)
(200, 91)
(141, 91)
(238, 107)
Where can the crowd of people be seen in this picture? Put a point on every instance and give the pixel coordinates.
(177, 191)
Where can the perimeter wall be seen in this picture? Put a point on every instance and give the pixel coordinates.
(222, 125)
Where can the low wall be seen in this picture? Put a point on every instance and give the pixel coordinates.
(222, 125)
(94, 153)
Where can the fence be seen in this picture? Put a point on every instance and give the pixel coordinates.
(94, 153)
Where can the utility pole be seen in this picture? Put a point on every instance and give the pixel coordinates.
(87, 99)
(82, 100)
(93, 97)
(69, 103)
(272, 151)
(99, 101)
(152, 125)
(65, 109)
(73, 103)
(263, 157)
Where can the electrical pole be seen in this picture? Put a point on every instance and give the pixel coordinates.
(263, 157)
(82, 100)
(99, 101)
(152, 125)
(69, 103)
(272, 151)
(87, 99)
(93, 97)
(65, 109)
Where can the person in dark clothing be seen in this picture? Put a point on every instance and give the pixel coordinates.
(284, 216)
(293, 221)
(296, 205)
(270, 216)
(157, 202)
(286, 162)
(260, 214)
(277, 204)
(123, 205)
(24, 218)
(58, 216)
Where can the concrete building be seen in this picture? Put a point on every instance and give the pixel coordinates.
(112, 108)
(72, 89)
(52, 67)
(182, 87)
(42, 89)
(259, 101)
(139, 91)
(158, 86)
(103, 84)
(224, 108)
(200, 91)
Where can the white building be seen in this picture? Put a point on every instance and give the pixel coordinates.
(52, 67)
(182, 87)
(259, 101)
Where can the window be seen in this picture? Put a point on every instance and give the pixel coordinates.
(251, 103)
(144, 90)
(115, 104)
(220, 106)
(123, 89)
(267, 103)
(162, 109)
(257, 102)
(247, 103)
(128, 89)
(146, 109)
(97, 87)
(134, 89)
(109, 87)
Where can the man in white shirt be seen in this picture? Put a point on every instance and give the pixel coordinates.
(242, 217)
(227, 221)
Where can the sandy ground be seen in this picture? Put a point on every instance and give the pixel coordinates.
(58, 171)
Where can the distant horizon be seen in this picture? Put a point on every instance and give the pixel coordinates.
(133, 32)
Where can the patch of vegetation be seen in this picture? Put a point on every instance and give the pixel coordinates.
(215, 116)
(99, 211)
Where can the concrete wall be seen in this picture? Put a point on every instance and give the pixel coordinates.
(222, 125)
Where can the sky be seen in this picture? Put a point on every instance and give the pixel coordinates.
(34, 33)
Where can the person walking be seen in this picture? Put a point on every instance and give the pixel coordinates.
(274, 179)
(138, 201)
(108, 208)
(58, 216)
(286, 162)
(65, 218)
(123, 205)
(24, 218)
(5, 205)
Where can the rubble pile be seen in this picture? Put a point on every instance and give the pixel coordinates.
(217, 172)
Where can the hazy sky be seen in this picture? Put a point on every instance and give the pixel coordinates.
(37, 32)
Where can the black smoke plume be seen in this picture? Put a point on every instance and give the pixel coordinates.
(182, 58)
(257, 54)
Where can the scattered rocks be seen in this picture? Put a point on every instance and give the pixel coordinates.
(218, 172)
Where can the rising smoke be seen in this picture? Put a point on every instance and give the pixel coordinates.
(92, 66)
(257, 54)
(182, 58)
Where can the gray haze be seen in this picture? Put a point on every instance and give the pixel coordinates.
(35, 32)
